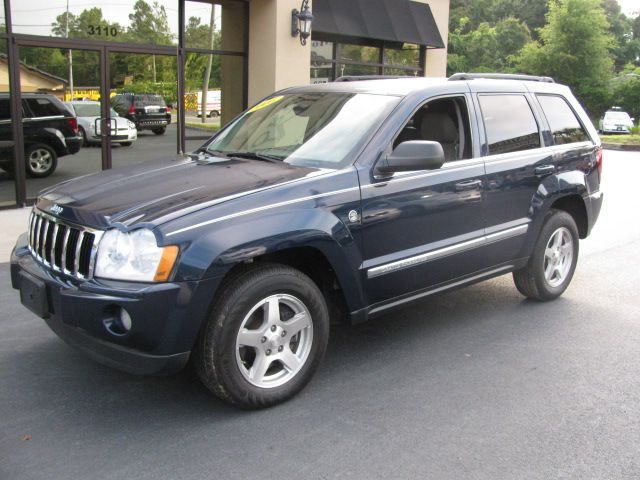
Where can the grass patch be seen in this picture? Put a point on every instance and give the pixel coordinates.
(622, 139)
(210, 127)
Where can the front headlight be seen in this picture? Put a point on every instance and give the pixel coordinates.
(134, 256)
(131, 124)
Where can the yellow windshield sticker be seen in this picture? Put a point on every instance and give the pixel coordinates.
(266, 103)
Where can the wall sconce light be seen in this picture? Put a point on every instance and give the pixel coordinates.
(301, 22)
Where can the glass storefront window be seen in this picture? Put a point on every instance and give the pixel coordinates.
(224, 97)
(215, 26)
(407, 56)
(347, 69)
(57, 143)
(3, 20)
(7, 183)
(133, 21)
(357, 53)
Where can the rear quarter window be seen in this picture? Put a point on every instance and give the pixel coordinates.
(565, 126)
(43, 107)
(509, 123)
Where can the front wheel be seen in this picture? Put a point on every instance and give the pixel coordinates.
(126, 144)
(265, 337)
(554, 259)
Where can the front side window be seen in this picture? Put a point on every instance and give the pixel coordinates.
(509, 123)
(564, 124)
(321, 129)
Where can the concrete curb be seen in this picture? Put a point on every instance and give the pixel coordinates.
(621, 146)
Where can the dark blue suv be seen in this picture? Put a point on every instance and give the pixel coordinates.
(342, 200)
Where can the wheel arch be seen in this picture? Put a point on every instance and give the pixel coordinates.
(574, 205)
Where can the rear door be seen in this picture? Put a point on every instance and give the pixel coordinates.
(516, 161)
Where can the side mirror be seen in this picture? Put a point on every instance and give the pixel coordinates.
(412, 155)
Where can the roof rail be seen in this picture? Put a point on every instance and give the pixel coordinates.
(357, 78)
(501, 76)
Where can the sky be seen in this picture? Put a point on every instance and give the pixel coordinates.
(35, 16)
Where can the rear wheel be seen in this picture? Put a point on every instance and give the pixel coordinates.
(41, 160)
(265, 337)
(554, 259)
(159, 131)
(214, 114)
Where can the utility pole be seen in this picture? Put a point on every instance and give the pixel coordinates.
(66, 35)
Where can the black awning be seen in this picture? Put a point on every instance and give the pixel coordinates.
(395, 21)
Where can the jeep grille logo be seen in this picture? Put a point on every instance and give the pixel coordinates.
(56, 209)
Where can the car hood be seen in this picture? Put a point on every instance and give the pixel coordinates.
(161, 190)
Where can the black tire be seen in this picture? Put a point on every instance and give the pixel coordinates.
(159, 131)
(126, 144)
(217, 357)
(83, 134)
(214, 114)
(531, 280)
(41, 160)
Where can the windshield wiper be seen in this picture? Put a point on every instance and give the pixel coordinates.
(255, 156)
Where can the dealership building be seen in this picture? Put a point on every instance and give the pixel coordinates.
(244, 49)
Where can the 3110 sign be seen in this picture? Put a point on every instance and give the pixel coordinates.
(102, 30)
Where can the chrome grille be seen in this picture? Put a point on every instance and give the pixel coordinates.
(63, 247)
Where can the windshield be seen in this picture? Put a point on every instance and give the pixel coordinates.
(90, 110)
(623, 116)
(308, 129)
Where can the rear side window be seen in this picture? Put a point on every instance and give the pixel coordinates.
(43, 107)
(565, 126)
(509, 123)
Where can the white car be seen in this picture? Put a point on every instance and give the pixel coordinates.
(123, 131)
(616, 121)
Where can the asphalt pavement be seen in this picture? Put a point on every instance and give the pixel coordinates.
(473, 384)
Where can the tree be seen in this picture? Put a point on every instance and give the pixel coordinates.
(574, 48)
(487, 48)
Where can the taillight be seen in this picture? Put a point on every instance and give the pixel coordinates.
(73, 123)
(599, 161)
(132, 110)
(168, 109)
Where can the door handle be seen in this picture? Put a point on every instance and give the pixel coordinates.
(545, 170)
(468, 185)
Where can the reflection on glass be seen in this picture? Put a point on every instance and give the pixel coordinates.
(221, 77)
(52, 139)
(3, 19)
(305, 129)
(7, 185)
(407, 56)
(134, 21)
(357, 53)
(215, 27)
(346, 69)
(144, 92)
(564, 124)
(509, 123)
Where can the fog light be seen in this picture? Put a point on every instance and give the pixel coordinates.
(118, 321)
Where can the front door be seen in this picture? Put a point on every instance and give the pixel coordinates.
(424, 228)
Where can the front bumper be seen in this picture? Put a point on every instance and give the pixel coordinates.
(166, 317)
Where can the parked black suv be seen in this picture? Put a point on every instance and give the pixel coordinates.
(147, 110)
(50, 131)
(344, 199)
